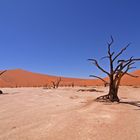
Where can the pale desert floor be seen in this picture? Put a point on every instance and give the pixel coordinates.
(65, 114)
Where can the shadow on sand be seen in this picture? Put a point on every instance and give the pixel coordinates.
(133, 103)
(89, 90)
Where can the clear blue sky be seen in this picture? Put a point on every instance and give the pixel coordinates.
(58, 36)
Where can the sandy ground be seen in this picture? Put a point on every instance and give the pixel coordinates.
(65, 114)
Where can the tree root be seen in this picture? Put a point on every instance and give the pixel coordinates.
(107, 98)
(104, 98)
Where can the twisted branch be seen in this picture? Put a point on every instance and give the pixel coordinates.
(105, 82)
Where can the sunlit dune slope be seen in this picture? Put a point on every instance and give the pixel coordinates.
(22, 78)
(131, 81)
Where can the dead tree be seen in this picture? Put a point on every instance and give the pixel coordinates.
(56, 83)
(53, 84)
(118, 68)
(72, 84)
(0, 75)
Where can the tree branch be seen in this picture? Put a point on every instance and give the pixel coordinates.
(109, 45)
(104, 57)
(111, 42)
(124, 63)
(127, 69)
(110, 57)
(121, 52)
(3, 72)
(131, 75)
(99, 78)
(130, 59)
(98, 66)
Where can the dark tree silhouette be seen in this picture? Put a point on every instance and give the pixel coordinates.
(72, 84)
(0, 75)
(117, 71)
(56, 83)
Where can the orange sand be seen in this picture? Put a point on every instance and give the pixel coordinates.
(22, 78)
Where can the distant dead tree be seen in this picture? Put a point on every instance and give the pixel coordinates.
(0, 75)
(56, 83)
(117, 71)
(72, 84)
(53, 84)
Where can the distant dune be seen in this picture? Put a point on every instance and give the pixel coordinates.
(22, 78)
(131, 81)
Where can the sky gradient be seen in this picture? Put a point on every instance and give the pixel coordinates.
(56, 37)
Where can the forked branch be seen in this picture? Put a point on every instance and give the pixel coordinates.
(121, 52)
(97, 65)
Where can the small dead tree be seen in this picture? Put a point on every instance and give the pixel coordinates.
(56, 83)
(117, 71)
(53, 84)
(0, 75)
(72, 84)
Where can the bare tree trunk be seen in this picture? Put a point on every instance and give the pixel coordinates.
(1, 92)
(113, 91)
(113, 94)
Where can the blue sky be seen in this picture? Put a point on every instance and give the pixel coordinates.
(57, 37)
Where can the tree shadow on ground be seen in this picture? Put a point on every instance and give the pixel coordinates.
(133, 103)
(89, 90)
(4, 94)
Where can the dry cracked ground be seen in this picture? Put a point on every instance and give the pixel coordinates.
(65, 114)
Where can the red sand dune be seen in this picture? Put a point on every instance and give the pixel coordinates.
(22, 78)
(131, 81)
